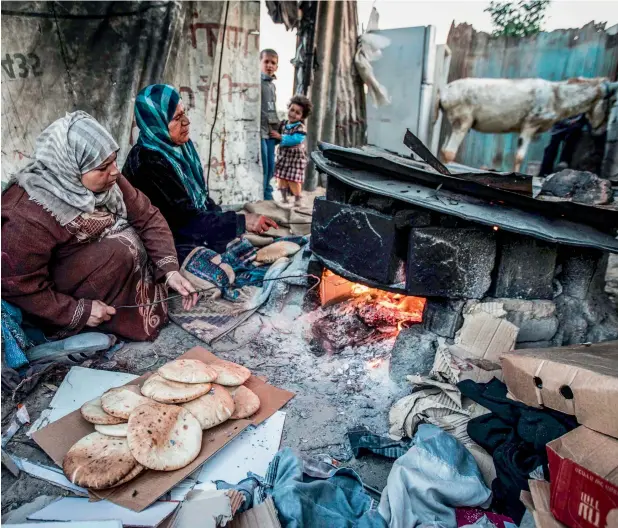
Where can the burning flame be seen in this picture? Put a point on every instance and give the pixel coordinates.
(380, 308)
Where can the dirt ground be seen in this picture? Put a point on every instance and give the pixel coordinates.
(333, 393)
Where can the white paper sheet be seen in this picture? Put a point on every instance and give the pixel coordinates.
(49, 474)
(78, 524)
(252, 450)
(78, 509)
(79, 386)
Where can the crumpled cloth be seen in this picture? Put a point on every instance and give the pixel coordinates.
(14, 340)
(291, 221)
(301, 500)
(363, 441)
(434, 477)
(434, 402)
(516, 436)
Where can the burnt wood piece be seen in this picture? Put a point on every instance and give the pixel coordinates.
(360, 240)
(525, 268)
(601, 217)
(450, 262)
(485, 212)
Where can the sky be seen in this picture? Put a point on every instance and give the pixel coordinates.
(561, 14)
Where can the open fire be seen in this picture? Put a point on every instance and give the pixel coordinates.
(355, 314)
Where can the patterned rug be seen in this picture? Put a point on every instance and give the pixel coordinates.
(211, 319)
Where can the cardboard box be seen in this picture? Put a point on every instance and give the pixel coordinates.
(537, 500)
(579, 380)
(58, 437)
(583, 469)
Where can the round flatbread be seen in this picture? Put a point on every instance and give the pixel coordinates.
(188, 371)
(246, 402)
(136, 471)
(121, 401)
(118, 430)
(98, 461)
(164, 437)
(230, 374)
(94, 413)
(165, 391)
(213, 408)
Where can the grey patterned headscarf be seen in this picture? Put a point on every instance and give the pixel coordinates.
(66, 149)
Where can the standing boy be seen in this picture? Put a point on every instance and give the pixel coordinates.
(269, 62)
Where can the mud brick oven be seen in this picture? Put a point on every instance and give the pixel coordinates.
(397, 225)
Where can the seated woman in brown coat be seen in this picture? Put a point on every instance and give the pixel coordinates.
(79, 240)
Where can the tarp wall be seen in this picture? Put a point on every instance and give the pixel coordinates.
(58, 57)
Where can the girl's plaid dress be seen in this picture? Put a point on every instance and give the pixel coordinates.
(292, 161)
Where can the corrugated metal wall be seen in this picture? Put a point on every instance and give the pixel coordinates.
(561, 54)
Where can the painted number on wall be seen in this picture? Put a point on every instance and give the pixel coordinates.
(20, 65)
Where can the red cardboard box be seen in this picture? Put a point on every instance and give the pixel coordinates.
(583, 468)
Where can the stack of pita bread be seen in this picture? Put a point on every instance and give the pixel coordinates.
(159, 426)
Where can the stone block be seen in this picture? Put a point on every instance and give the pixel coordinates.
(443, 316)
(579, 266)
(453, 263)
(525, 268)
(413, 218)
(413, 353)
(537, 320)
(356, 239)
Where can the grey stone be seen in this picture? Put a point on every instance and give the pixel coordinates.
(525, 268)
(579, 186)
(537, 320)
(443, 316)
(453, 263)
(413, 353)
(578, 268)
(356, 239)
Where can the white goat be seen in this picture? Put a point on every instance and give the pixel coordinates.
(527, 106)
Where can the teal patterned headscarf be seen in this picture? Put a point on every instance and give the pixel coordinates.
(154, 109)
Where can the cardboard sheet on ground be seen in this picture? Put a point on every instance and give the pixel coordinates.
(252, 451)
(79, 386)
(57, 438)
(78, 509)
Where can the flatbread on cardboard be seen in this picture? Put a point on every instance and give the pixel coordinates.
(188, 371)
(165, 391)
(230, 374)
(121, 401)
(137, 470)
(212, 408)
(94, 413)
(246, 402)
(118, 430)
(164, 437)
(98, 461)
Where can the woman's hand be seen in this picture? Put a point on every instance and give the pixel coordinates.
(177, 282)
(99, 313)
(275, 135)
(259, 224)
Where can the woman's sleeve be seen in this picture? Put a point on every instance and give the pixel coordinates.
(27, 248)
(157, 179)
(151, 227)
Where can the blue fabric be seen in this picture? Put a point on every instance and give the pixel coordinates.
(15, 341)
(268, 164)
(154, 109)
(435, 476)
(200, 264)
(336, 502)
